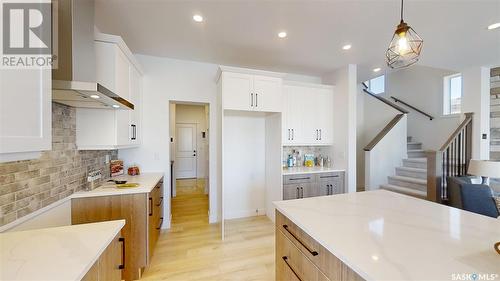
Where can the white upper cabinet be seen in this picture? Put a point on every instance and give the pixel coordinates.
(25, 112)
(113, 128)
(308, 114)
(249, 92)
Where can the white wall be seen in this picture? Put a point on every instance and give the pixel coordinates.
(476, 99)
(196, 114)
(422, 87)
(168, 80)
(244, 164)
(373, 116)
(388, 154)
(344, 121)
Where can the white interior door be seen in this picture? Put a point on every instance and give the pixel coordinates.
(185, 151)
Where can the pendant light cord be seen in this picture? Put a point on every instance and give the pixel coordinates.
(402, 10)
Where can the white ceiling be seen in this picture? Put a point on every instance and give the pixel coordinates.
(244, 33)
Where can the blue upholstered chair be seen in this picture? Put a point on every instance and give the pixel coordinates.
(477, 198)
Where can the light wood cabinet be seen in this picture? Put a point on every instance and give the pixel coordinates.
(155, 217)
(307, 114)
(306, 258)
(143, 215)
(248, 92)
(109, 265)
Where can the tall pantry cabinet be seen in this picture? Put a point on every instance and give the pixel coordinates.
(251, 105)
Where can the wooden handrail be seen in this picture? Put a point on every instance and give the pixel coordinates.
(386, 101)
(468, 119)
(412, 107)
(384, 132)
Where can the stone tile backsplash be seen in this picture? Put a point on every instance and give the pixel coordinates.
(26, 186)
(316, 150)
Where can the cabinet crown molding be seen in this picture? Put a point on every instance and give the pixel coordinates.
(224, 68)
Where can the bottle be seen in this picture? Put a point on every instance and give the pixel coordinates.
(328, 162)
(290, 161)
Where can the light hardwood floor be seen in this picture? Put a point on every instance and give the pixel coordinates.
(192, 248)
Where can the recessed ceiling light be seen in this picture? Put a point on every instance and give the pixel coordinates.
(377, 69)
(282, 34)
(494, 26)
(94, 96)
(346, 47)
(116, 106)
(197, 18)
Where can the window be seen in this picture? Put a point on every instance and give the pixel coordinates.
(452, 102)
(376, 85)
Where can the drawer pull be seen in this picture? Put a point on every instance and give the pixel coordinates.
(326, 177)
(285, 259)
(150, 206)
(297, 179)
(159, 203)
(122, 266)
(161, 223)
(314, 253)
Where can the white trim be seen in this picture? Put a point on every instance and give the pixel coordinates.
(36, 213)
(224, 68)
(308, 85)
(118, 40)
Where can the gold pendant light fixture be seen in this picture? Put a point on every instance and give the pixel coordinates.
(405, 47)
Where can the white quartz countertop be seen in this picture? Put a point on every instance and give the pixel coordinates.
(58, 253)
(309, 170)
(383, 235)
(146, 181)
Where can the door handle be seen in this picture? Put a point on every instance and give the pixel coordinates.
(289, 134)
(317, 134)
(298, 194)
(150, 206)
(293, 134)
(251, 99)
(122, 266)
(302, 192)
(320, 135)
(256, 100)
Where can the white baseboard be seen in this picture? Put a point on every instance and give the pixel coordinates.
(244, 214)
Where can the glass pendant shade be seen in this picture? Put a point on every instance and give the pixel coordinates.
(405, 47)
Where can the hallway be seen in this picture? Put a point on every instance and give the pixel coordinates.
(192, 248)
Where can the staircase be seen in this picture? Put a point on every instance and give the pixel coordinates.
(411, 178)
(495, 114)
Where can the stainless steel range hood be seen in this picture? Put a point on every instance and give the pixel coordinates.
(74, 77)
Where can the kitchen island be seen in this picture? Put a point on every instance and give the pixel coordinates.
(76, 252)
(381, 235)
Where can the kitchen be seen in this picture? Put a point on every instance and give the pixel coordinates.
(103, 114)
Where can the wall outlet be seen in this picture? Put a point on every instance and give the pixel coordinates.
(107, 159)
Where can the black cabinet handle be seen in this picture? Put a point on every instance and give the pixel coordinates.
(314, 253)
(326, 177)
(293, 134)
(122, 266)
(159, 203)
(301, 192)
(320, 135)
(251, 99)
(161, 223)
(285, 258)
(298, 195)
(297, 179)
(150, 206)
(256, 100)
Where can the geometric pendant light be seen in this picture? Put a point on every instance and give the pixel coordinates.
(405, 47)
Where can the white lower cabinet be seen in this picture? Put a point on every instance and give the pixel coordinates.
(307, 114)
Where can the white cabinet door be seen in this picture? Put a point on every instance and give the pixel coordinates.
(326, 113)
(122, 74)
(25, 110)
(268, 94)
(136, 99)
(294, 129)
(237, 91)
(308, 100)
